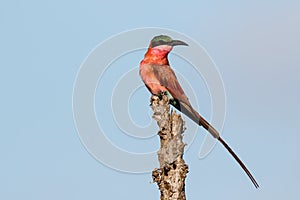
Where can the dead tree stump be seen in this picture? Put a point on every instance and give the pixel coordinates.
(170, 177)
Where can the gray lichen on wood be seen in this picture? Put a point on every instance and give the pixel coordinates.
(171, 175)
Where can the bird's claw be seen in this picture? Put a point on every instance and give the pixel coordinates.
(162, 93)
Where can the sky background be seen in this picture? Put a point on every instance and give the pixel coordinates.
(254, 44)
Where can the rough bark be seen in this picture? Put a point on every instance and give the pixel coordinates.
(170, 177)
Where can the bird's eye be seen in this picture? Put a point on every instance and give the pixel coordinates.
(162, 42)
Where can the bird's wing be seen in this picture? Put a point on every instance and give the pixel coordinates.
(167, 78)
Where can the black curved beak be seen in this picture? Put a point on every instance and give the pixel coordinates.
(178, 42)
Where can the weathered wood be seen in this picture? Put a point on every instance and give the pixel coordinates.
(170, 177)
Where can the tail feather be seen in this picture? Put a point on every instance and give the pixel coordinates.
(196, 117)
(239, 161)
(188, 110)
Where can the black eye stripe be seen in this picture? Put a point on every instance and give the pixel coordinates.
(157, 43)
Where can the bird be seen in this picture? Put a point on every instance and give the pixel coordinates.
(159, 78)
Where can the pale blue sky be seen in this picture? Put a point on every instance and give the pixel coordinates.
(254, 44)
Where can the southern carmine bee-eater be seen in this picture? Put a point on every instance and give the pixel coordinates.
(159, 78)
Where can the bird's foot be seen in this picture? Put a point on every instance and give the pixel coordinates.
(161, 94)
